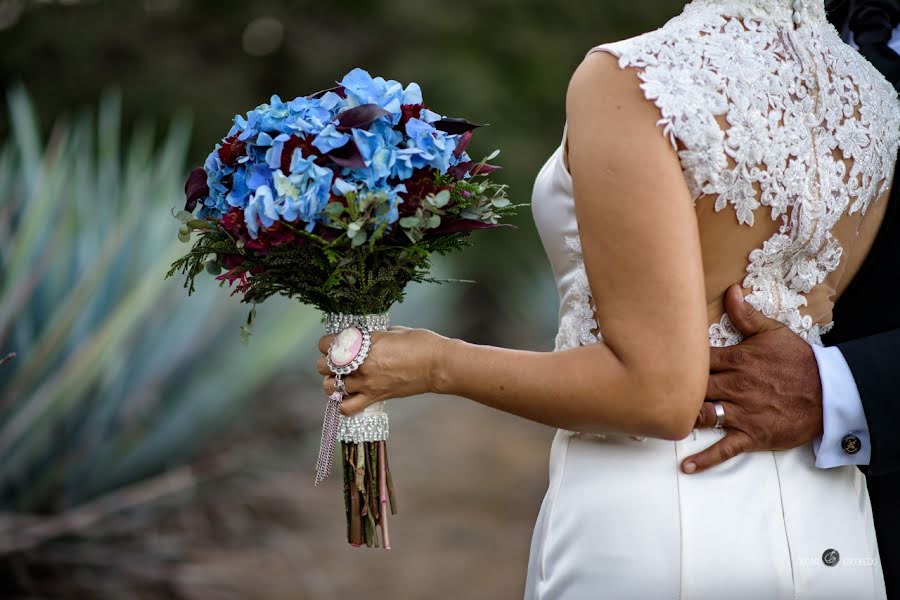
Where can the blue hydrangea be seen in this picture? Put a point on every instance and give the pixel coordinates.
(362, 88)
(390, 154)
(217, 173)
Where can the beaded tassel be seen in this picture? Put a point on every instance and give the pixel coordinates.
(329, 436)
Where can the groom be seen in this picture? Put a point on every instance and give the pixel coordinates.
(778, 392)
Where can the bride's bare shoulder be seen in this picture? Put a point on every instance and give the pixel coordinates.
(600, 71)
(603, 96)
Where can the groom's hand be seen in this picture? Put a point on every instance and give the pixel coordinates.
(768, 385)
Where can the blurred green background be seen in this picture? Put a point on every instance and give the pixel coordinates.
(145, 453)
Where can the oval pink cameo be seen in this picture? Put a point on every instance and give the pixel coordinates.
(346, 346)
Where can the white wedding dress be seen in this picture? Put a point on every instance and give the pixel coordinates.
(792, 136)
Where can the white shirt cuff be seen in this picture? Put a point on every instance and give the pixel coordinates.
(842, 413)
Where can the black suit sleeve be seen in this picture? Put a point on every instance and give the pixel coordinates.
(875, 363)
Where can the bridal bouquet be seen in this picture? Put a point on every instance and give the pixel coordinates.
(339, 199)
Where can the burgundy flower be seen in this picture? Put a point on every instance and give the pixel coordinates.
(233, 222)
(348, 156)
(463, 144)
(360, 117)
(258, 245)
(455, 126)
(306, 149)
(232, 275)
(232, 149)
(409, 111)
(230, 261)
(195, 188)
(420, 185)
(472, 168)
(279, 234)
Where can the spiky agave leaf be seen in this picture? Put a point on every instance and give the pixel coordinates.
(117, 375)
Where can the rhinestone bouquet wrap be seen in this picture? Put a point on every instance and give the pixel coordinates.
(368, 486)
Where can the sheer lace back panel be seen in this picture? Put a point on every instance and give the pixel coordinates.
(787, 138)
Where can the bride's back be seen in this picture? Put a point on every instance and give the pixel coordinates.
(787, 138)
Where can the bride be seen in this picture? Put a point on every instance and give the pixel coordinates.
(741, 142)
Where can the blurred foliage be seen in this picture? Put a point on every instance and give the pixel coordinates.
(116, 377)
(503, 62)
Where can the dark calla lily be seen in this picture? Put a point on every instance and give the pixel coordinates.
(359, 117)
(483, 169)
(463, 143)
(195, 188)
(348, 156)
(472, 168)
(455, 126)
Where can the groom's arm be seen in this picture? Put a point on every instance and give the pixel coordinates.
(875, 364)
(779, 392)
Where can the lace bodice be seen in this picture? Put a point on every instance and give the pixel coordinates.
(774, 119)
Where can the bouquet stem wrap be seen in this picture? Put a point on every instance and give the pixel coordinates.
(368, 487)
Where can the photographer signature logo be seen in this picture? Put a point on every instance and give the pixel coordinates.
(832, 558)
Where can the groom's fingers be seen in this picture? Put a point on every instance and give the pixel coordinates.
(707, 416)
(733, 444)
(742, 314)
(747, 319)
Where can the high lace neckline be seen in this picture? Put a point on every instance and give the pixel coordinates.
(794, 13)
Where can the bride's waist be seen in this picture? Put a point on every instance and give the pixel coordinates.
(696, 441)
(697, 435)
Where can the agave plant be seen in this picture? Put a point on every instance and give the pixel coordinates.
(115, 377)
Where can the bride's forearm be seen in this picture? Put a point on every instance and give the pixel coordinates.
(587, 388)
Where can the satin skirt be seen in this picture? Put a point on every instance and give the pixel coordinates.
(620, 520)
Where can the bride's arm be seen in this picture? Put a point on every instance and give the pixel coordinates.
(642, 256)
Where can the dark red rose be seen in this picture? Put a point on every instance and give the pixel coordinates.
(195, 188)
(233, 222)
(410, 111)
(230, 261)
(306, 150)
(279, 234)
(259, 245)
(420, 185)
(232, 149)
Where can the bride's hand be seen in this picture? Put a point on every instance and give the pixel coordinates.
(402, 362)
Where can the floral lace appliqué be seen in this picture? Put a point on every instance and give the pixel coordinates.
(768, 107)
(577, 325)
